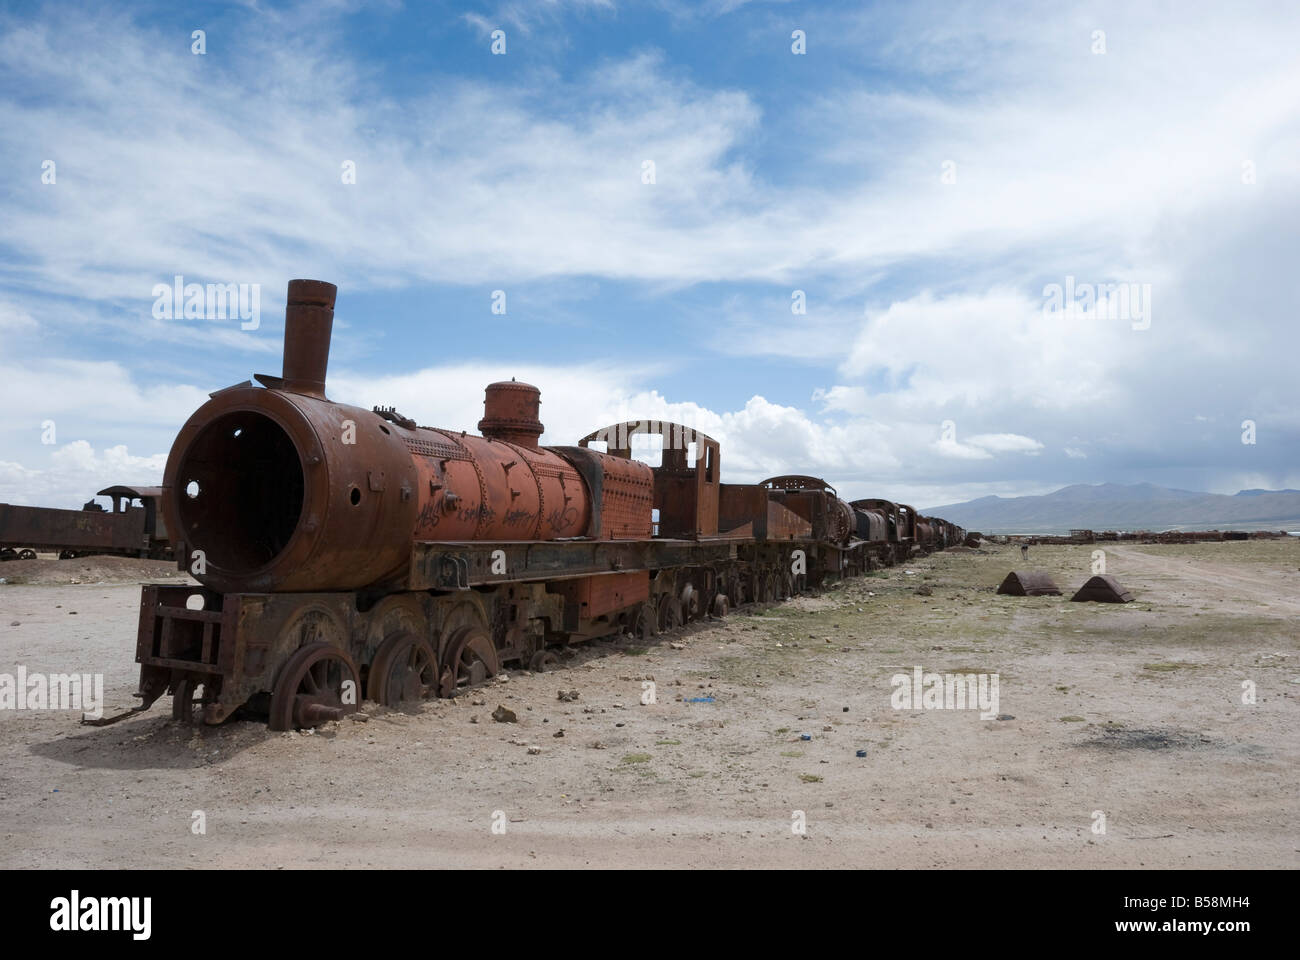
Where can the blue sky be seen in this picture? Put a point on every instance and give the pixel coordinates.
(921, 173)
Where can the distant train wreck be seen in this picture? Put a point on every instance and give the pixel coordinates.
(132, 526)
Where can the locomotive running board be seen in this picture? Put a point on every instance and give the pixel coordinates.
(460, 566)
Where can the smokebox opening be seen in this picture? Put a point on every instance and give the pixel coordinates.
(239, 491)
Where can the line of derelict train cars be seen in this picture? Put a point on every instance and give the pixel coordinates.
(132, 526)
(347, 553)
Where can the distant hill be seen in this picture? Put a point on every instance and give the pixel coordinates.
(1114, 506)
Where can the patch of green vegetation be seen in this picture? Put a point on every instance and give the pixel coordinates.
(810, 778)
(1073, 719)
(792, 753)
(635, 651)
(782, 729)
(1063, 689)
(636, 758)
(668, 743)
(697, 774)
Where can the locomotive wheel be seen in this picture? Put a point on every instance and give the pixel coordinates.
(405, 669)
(690, 598)
(393, 615)
(670, 613)
(183, 702)
(542, 661)
(317, 684)
(787, 586)
(26, 554)
(721, 606)
(645, 622)
(471, 658)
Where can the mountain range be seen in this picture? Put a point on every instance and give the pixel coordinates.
(1115, 506)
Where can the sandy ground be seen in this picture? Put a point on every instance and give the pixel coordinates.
(1132, 710)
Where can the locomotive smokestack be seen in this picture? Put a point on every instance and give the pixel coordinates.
(510, 413)
(308, 323)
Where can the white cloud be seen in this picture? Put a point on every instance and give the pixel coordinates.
(79, 394)
(476, 183)
(14, 318)
(75, 472)
(52, 406)
(948, 347)
(960, 451)
(1006, 443)
(984, 446)
(527, 17)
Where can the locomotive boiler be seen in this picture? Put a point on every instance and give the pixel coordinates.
(276, 488)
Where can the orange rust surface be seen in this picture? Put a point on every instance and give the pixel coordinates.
(627, 499)
(607, 593)
(471, 488)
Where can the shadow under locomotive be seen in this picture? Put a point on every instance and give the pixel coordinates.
(349, 554)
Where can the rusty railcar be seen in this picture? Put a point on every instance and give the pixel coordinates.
(133, 525)
(879, 521)
(817, 502)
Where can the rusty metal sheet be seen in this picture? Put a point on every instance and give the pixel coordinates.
(924, 533)
(1103, 589)
(46, 528)
(886, 509)
(906, 522)
(608, 593)
(740, 505)
(784, 524)
(871, 525)
(626, 498)
(1029, 583)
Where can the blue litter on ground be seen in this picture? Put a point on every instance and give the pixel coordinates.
(805, 736)
(862, 753)
(699, 700)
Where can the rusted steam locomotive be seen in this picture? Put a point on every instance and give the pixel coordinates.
(347, 553)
